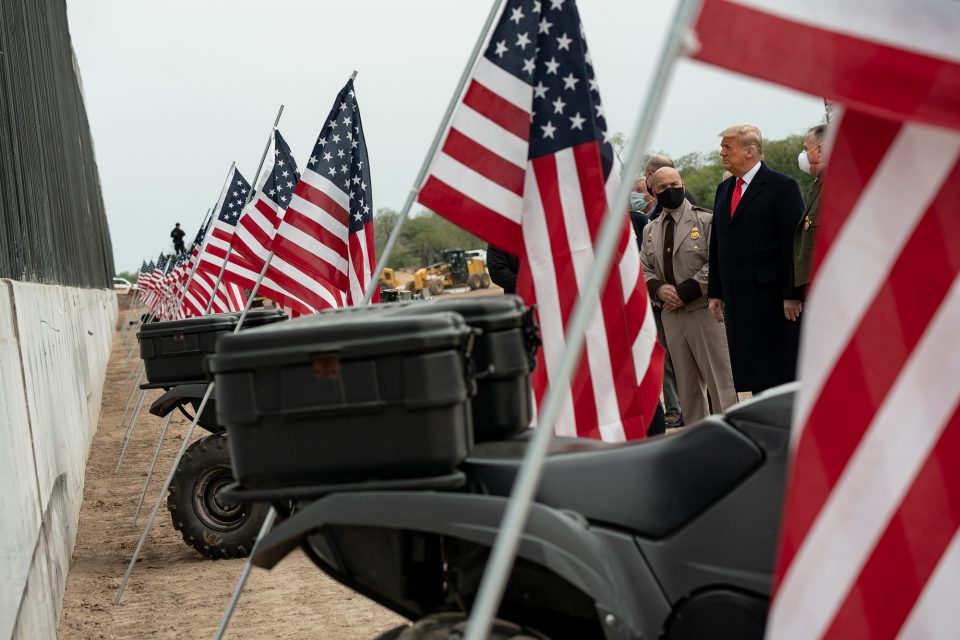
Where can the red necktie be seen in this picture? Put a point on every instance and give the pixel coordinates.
(735, 197)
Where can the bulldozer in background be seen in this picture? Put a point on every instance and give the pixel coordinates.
(455, 270)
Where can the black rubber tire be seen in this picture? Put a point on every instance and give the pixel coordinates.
(215, 528)
(484, 280)
(436, 287)
(442, 626)
(474, 281)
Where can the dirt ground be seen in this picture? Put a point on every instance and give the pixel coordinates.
(174, 592)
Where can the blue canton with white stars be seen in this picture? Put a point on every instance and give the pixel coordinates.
(236, 197)
(282, 181)
(543, 44)
(201, 233)
(340, 156)
(162, 262)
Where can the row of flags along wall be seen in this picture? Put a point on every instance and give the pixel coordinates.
(870, 544)
(315, 229)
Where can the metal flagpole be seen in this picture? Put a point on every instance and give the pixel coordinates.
(186, 285)
(271, 514)
(679, 40)
(163, 491)
(216, 207)
(136, 415)
(153, 464)
(133, 392)
(186, 440)
(253, 186)
(438, 136)
(183, 290)
(129, 434)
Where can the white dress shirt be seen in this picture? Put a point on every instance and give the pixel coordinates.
(748, 178)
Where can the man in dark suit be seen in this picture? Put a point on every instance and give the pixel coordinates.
(751, 264)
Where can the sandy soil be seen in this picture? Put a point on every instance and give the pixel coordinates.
(174, 592)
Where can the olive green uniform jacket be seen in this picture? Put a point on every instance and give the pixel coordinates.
(804, 238)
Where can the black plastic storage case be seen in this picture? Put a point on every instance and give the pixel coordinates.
(173, 351)
(503, 355)
(336, 398)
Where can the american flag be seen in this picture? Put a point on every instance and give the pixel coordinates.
(153, 285)
(176, 279)
(145, 277)
(870, 542)
(210, 261)
(283, 282)
(328, 228)
(527, 165)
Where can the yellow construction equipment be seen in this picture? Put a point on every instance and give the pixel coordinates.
(455, 270)
(388, 279)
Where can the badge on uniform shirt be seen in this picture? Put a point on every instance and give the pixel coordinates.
(806, 223)
(694, 233)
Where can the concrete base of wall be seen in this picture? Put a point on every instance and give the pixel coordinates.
(54, 346)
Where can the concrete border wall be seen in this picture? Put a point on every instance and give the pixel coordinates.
(54, 346)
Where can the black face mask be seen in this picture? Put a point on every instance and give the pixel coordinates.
(671, 198)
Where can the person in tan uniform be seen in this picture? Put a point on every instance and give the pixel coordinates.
(675, 267)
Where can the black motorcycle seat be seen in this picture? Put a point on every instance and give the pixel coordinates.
(650, 487)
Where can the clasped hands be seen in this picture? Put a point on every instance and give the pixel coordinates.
(670, 298)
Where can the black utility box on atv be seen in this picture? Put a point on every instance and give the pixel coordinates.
(173, 351)
(345, 397)
(503, 355)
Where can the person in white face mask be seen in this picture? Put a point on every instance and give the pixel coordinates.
(812, 160)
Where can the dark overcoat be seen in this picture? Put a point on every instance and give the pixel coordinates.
(751, 270)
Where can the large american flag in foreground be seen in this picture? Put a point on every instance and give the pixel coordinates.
(327, 229)
(871, 534)
(527, 165)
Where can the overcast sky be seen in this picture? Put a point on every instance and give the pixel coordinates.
(176, 90)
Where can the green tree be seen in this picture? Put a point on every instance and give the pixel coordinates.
(422, 239)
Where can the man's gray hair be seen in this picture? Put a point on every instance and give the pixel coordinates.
(819, 133)
(655, 162)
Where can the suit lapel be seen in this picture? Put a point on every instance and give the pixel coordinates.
(721, 209)
(753, 190)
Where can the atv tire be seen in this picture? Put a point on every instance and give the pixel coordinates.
(214, 527)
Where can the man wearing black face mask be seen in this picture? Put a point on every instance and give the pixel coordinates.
(654, 164)
(675, 267)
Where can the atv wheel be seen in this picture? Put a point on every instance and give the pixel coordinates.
(474, 281)
(214, 527)
(484, 280)
(442, 626)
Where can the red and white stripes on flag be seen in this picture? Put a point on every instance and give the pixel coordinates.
(870, 542)
(284, 282)
(874, 501)
(327, 230)
(548, 211)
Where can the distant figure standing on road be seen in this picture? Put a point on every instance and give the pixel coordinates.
(177, 235)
